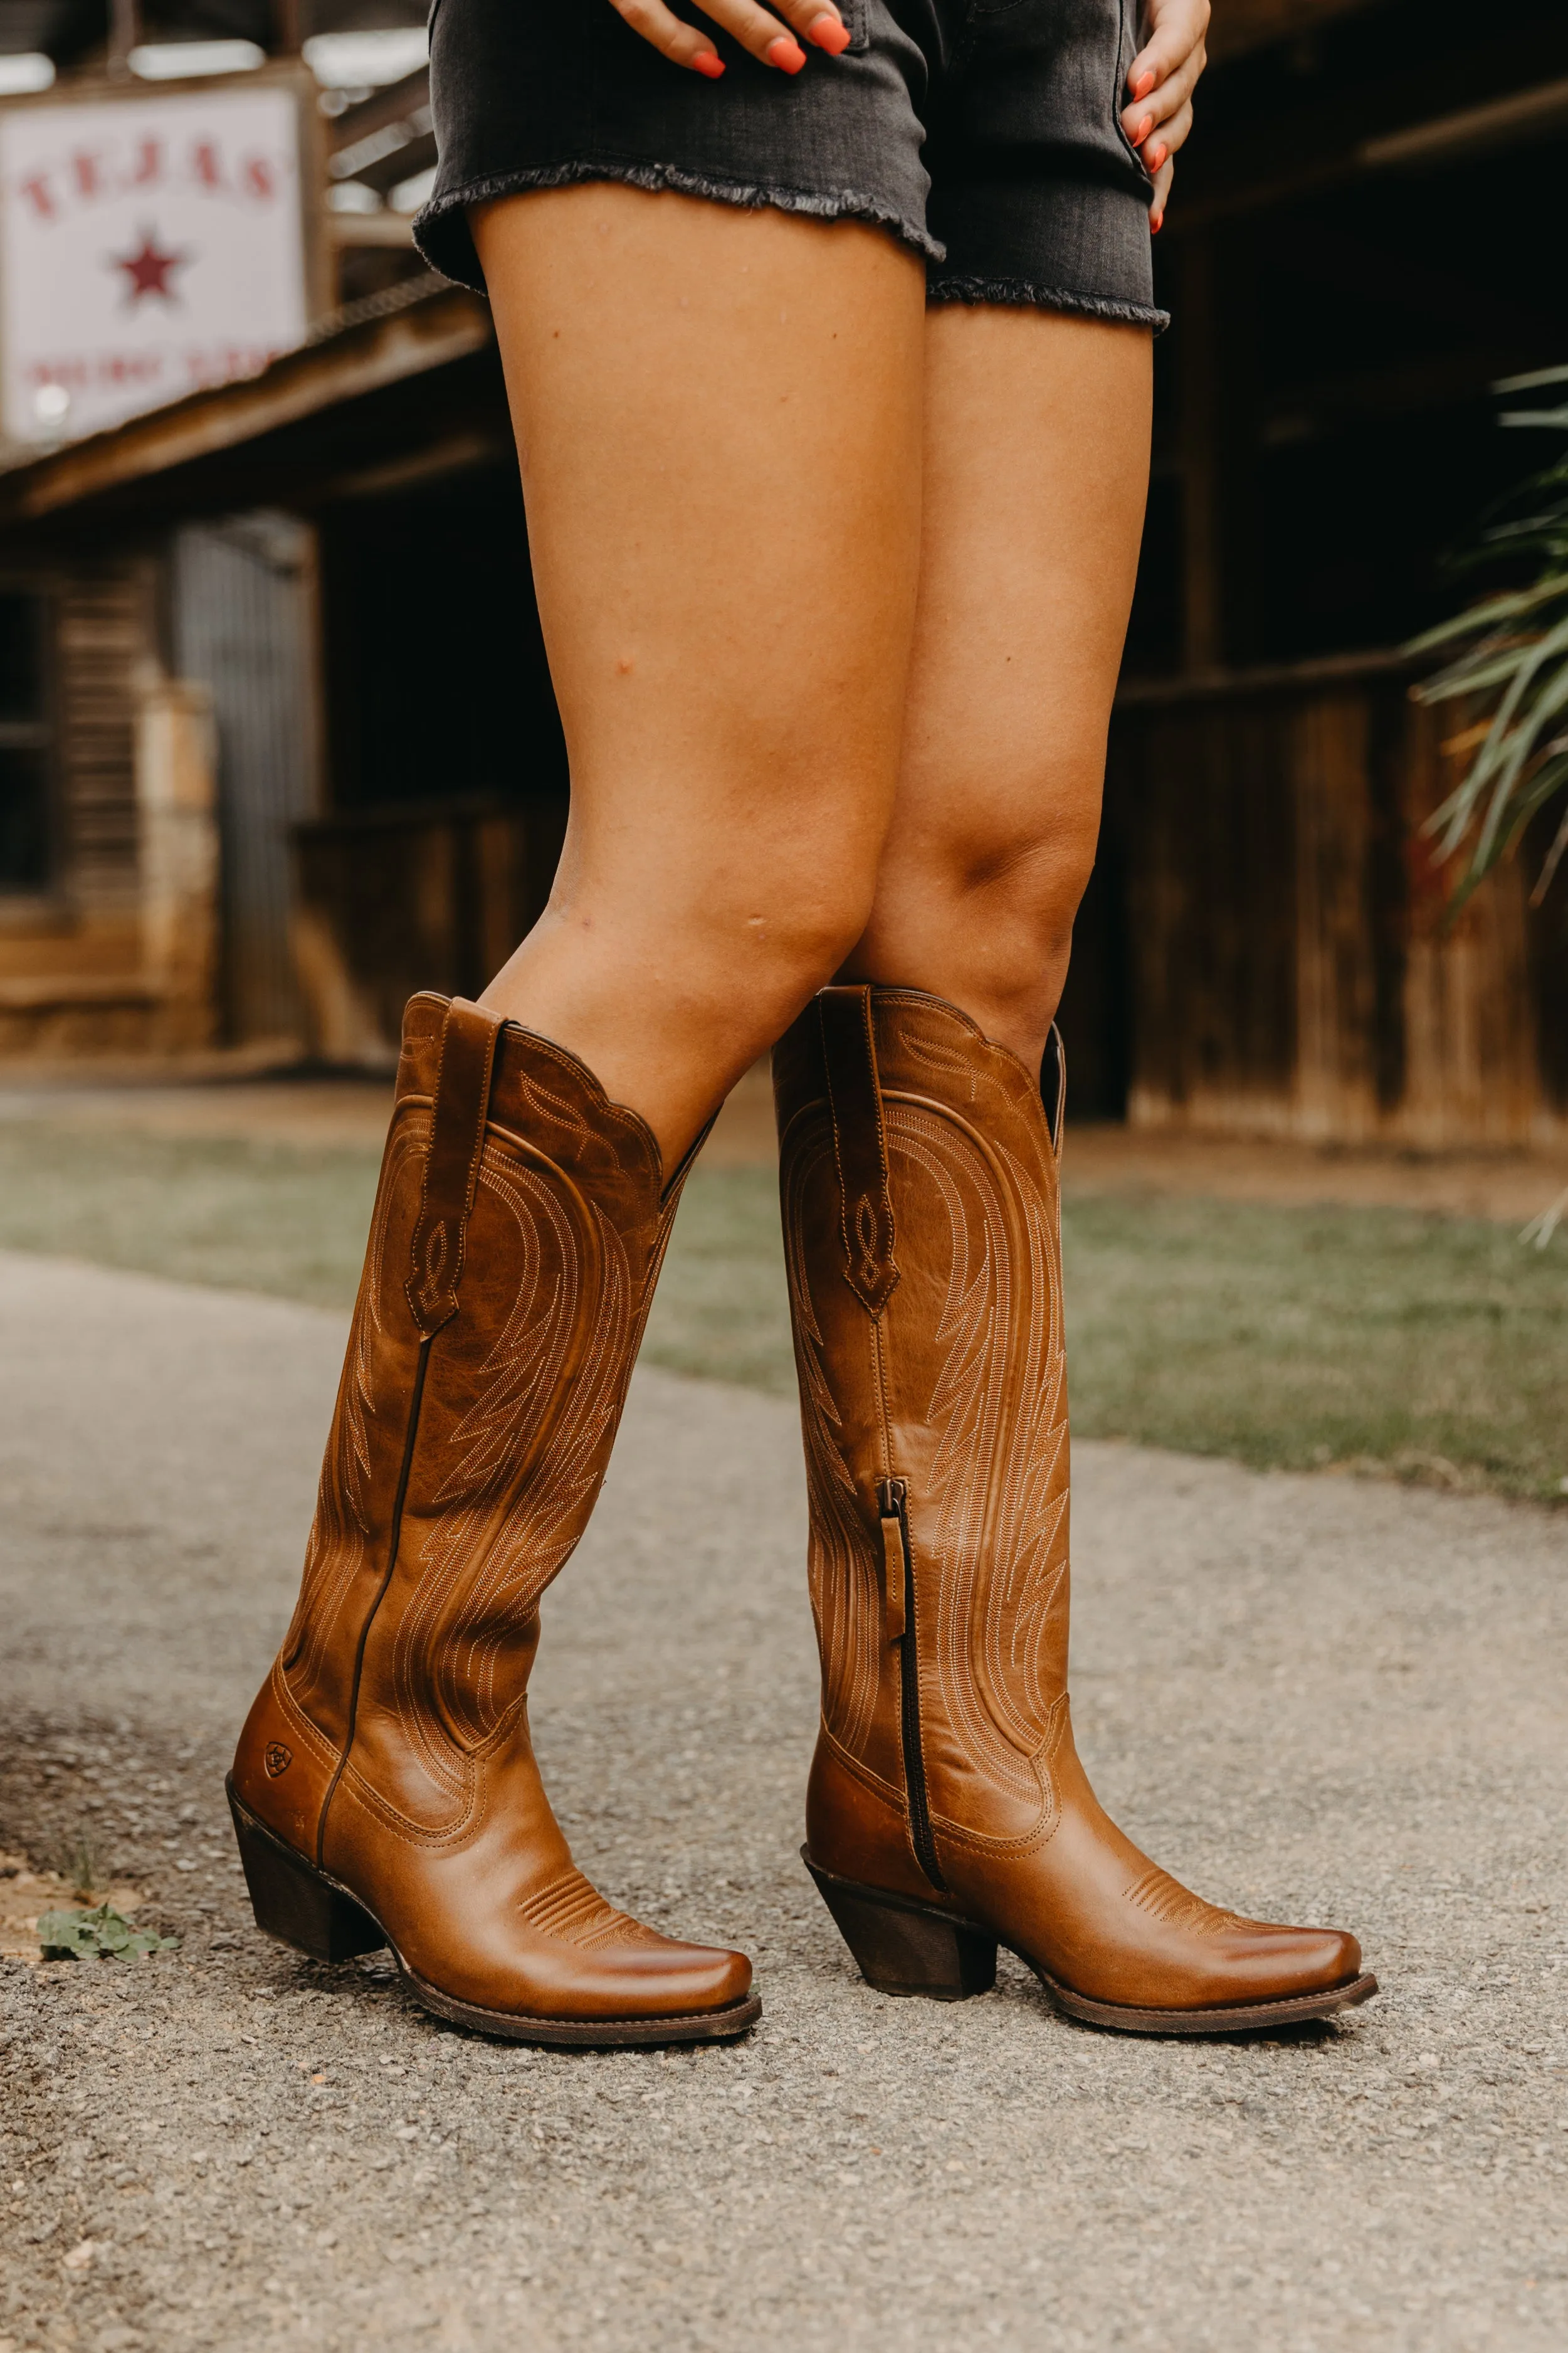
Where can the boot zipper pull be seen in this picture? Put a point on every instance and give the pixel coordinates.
(890, 1497)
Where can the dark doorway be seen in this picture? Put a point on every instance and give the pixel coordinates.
(436, 682)
(27, 830)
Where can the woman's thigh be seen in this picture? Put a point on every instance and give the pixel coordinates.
(718, 417)
(1037, 460)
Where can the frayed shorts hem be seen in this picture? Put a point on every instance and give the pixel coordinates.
(442, 235)
(1026, 294)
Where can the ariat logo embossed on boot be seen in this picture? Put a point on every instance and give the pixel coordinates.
(277, 1759)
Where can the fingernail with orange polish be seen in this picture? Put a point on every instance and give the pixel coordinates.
(1143, 85)
(709, 62)
(1143, 131)
(787, 55)
(1155, 157)
(829, 33)
(1156, 223)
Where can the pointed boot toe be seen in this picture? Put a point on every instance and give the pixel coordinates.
(1244, 1977)
(1291, 1962)
(704, 1978)
(660, 1977)
(647, 1989)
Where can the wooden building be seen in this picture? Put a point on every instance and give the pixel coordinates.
(313, 590)
(1355, 251)
(324, 571)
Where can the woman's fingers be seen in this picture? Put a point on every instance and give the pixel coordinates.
(1144, 116)
(774, 44)
(756, 30)
(816, 21)
(1162, 79)
(1176, 28)
(683, 44)
(1171, 135)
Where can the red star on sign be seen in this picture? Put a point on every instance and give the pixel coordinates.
(148, 270)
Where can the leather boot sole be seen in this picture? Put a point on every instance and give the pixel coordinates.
(312, 1912)
(901, 1945)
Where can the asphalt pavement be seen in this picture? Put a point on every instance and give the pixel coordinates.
(1322, 1698)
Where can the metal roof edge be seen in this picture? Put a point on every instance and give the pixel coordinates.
(419, 324)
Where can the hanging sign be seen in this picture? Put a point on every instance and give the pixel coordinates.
(148, 247)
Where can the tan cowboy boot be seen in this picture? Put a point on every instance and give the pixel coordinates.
(948, 1812)
(384, 1791)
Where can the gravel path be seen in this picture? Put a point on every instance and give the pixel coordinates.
(1318, 1698)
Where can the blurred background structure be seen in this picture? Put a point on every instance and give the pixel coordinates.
(279, 743)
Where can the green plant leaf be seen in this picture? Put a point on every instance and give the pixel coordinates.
(62, 1934)
(1473, 675)
(1495, 608)
(99, 1933)
(1531, 383)
(1510, 660)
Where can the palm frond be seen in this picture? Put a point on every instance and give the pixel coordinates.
(1508, 656)
(1531, 383)
(1480, 617)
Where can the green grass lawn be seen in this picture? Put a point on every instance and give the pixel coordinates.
(1431, 1348)
(1435, 1348)
(244, 1217)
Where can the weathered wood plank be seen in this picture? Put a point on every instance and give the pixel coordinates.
(101, 638)
(1293, 968)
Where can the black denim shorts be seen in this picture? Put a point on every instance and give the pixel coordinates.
(985, 133)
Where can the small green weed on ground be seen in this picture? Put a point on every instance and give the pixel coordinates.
(97, 1935)
(1435, 1348)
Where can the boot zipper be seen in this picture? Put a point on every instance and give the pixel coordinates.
(892, 1499)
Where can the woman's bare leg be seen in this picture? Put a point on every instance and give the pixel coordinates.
(718, 415)
(1037, 462)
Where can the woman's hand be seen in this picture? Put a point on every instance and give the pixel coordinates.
(1162, 77)
(818, 21)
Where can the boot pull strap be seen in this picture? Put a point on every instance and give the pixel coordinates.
(859, 1144)
(452, 1163)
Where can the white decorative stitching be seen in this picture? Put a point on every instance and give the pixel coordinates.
(841, 1570)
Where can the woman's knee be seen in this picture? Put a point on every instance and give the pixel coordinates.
(1019, 877)
(1033, 881)
(741, 924)
(766, 953)
(977, 900)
